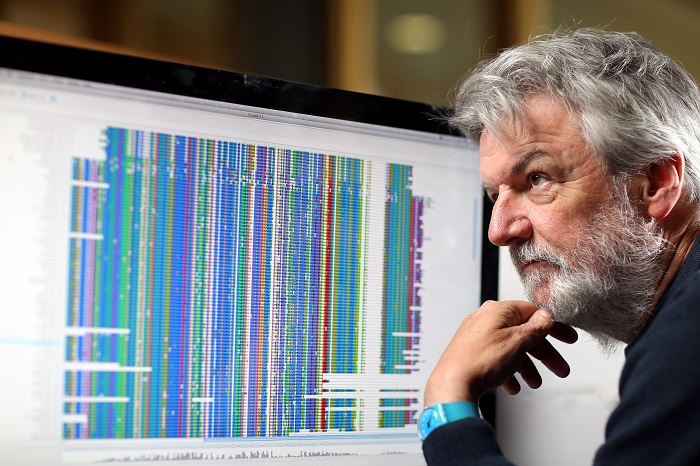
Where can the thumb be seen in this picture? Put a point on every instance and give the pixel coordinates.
(541, 321)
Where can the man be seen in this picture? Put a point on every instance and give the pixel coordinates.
(590, 150)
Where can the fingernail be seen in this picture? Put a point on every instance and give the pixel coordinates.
(547, 314)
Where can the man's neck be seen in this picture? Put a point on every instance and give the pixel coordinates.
(679, 245)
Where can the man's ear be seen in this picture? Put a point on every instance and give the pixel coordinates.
(663, 186)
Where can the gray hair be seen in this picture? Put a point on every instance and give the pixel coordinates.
(634, 104)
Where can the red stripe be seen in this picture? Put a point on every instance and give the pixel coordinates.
(326, 304)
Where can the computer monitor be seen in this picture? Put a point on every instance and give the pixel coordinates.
(199, 265)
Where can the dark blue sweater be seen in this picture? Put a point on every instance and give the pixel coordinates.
(658, 419)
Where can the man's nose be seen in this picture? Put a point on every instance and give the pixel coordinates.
(509, 221)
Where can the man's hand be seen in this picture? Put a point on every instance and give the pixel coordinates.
(491, 345)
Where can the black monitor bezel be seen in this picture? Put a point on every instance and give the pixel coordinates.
(219, 85)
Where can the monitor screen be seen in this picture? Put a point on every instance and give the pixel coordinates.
(199, 265)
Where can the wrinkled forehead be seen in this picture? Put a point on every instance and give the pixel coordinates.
(539, 116)
(531, 113)
(546, 138)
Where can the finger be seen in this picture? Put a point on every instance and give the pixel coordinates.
(529, 373)
(511, 386)
(538, 325)
(519, 311)
(564, 333)
(551, 358)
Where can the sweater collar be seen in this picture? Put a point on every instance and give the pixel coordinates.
(690, 265)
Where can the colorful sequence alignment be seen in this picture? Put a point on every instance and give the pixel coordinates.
(214, 286)
(403, 249)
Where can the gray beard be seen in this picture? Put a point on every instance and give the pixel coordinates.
(606, 285)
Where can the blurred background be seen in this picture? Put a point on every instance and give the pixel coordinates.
(408, 49)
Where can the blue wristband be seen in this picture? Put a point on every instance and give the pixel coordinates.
(437, 415)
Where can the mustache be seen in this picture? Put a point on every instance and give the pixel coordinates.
(527, 252)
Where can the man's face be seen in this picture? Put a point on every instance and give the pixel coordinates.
(566, 230)
(546, 184)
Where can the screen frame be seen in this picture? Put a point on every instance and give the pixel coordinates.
(220, 85)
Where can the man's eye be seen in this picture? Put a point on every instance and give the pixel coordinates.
(537, 179)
